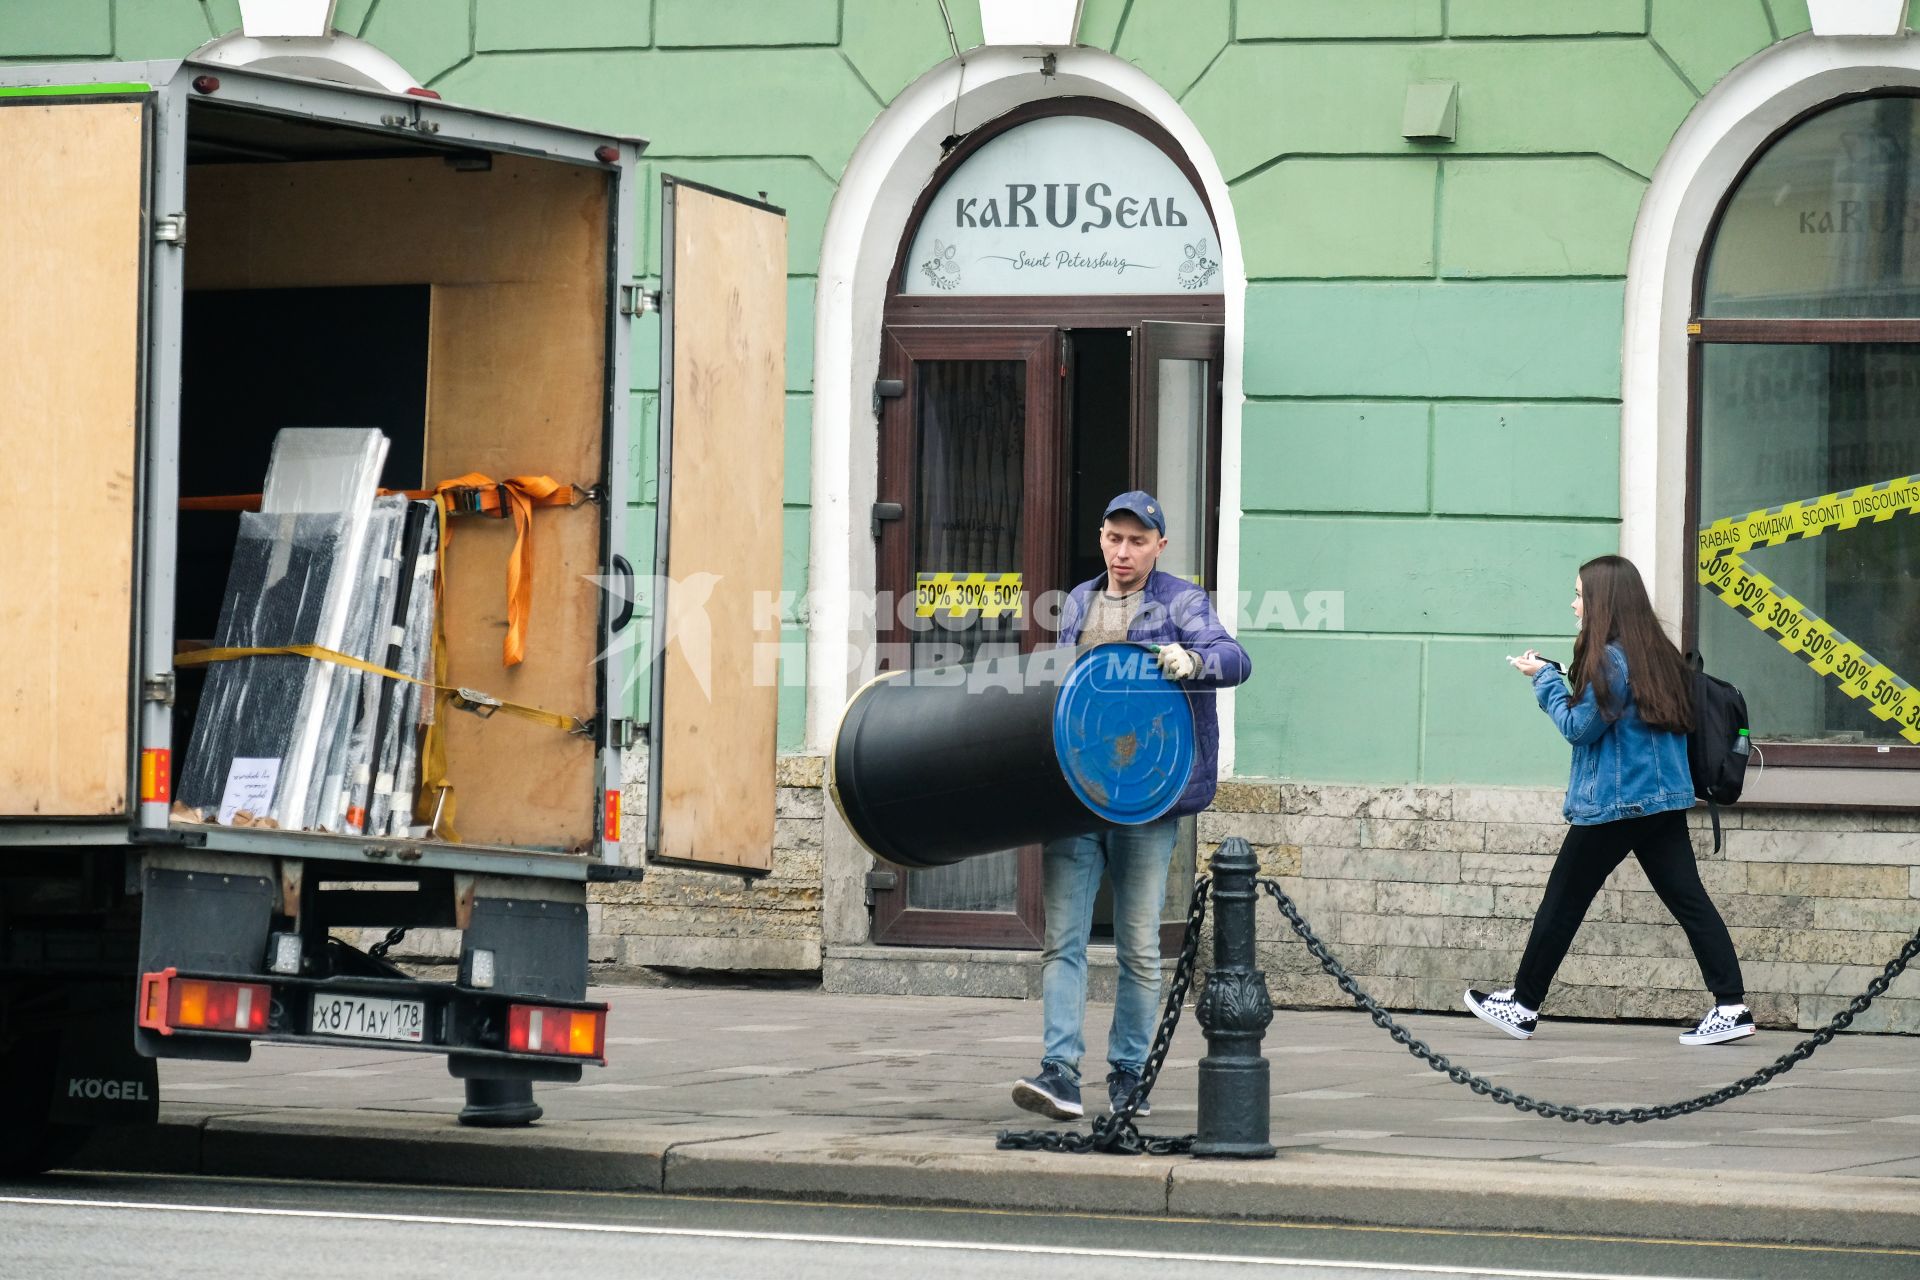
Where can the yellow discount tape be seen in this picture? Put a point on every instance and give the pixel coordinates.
(1813, 640)
(1809, 519)
(991, 595)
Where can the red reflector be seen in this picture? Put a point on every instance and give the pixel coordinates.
(420, 91)
(169, 1002)
(156, 775)
(568, 1033)
(610, 829)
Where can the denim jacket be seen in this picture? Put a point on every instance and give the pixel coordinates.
(1622, 768)
(1177, 611)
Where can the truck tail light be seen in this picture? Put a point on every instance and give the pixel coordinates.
(567, 1033)
(610, 829)
(156, 775)
(169, 1002)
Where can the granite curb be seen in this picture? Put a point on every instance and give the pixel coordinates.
(750, 1158)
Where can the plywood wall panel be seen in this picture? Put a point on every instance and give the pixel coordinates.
(70, 236)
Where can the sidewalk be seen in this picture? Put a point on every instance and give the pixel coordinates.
(795, 1093)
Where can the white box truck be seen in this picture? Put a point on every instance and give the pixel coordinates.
(194, 255)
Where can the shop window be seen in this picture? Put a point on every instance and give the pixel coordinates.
(1805, 481)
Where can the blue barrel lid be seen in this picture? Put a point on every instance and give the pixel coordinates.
(1123, 734)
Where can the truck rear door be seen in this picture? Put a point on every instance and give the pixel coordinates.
(72, 240)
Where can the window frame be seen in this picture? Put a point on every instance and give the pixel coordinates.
(1702, 332)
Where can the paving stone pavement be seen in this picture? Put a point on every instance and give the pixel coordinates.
(786, 1091)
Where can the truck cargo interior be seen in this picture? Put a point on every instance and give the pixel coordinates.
(458, 302)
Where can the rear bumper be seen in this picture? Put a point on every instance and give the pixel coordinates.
(467, 1024)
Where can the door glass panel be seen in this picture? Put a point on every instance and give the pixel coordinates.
(971, 473)
(1181, 466)
(971, 477)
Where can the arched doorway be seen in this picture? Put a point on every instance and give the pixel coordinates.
(1053, 335)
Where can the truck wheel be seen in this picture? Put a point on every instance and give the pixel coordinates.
(36, 1143)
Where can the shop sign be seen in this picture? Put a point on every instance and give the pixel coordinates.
(1066, 205)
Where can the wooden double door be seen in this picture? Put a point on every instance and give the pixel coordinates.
(998, 453)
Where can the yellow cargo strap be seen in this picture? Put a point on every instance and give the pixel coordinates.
(481, 704)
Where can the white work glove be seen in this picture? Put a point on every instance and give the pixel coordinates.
(1178, 662)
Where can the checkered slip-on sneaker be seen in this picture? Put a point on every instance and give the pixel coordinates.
(1722, 1023)
(1501, 1010)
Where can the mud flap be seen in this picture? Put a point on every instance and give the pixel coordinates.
(202, 921)
(99, 1077)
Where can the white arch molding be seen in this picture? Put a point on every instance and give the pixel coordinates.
(1724, 130)
(892, 165)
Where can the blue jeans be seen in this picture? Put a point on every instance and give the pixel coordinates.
(1136, 860)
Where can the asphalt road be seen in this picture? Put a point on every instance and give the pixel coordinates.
(232, 1229)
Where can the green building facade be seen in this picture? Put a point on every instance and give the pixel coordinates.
(1471, 332)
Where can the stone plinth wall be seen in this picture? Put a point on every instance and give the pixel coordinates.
(1423, 891)
(679, 918)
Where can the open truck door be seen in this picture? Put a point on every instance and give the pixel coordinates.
(73, 234)
(717, 549)
(73, 244)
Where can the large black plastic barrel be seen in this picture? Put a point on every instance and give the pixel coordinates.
(931, 767)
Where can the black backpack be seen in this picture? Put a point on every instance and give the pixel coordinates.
(1718, 747)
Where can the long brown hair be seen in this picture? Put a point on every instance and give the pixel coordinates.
(1615, 609)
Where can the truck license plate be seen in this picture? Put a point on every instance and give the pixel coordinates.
(368, 1017)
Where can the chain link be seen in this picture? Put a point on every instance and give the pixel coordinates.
(1590, 1115)
(1116, 1134)
(379, 949)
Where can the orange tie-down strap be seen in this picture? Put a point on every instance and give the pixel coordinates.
(471, 494)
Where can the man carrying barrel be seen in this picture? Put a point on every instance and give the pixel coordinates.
(1133, 601)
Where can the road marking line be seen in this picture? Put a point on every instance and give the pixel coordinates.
(1088, 1215)
(797, 1237)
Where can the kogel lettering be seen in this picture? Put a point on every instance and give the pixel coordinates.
(94, 1089)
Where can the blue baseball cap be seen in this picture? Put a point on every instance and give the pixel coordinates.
(1142, 506)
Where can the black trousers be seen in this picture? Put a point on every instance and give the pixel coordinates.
(1587, 857)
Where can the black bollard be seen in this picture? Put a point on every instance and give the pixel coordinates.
(499, 1104)
(1234, 1010)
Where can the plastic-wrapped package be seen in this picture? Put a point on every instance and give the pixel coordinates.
(322, 469)
(377, 692)
(396, 766)
(262, 732)
(249, 712)
(371, 605)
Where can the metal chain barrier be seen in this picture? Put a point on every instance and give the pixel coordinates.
(1591, 1115)
(1116, 1134)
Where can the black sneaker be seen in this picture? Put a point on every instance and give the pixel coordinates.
(1722, 1023)
(1053, 1093)
(1119, 1085)
(1503, 1011)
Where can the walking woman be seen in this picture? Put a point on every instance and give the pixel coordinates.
(1627, 715)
